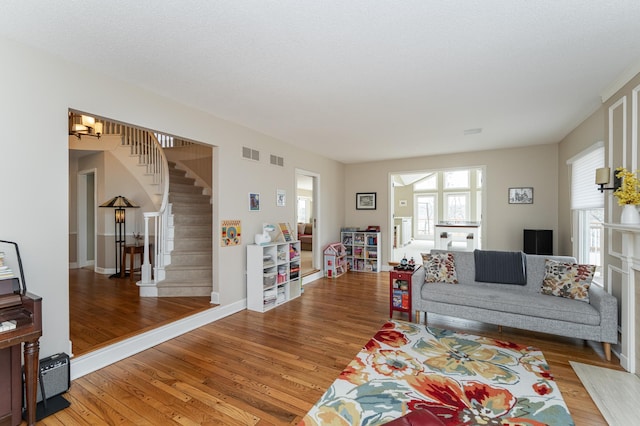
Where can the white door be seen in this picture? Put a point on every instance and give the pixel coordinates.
(424, 216)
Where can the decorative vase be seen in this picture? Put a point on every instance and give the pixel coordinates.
(630, 215)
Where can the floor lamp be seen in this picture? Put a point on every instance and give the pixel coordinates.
(119, 203)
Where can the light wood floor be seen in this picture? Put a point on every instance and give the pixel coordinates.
(269, 369)
(103, 310)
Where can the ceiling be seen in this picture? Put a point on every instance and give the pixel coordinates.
(356, 80)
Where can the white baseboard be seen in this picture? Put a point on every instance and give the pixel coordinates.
(105, 271)
(100, 358)
(312, 277)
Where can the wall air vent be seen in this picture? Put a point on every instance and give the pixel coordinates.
(250, 154)
(277, 161)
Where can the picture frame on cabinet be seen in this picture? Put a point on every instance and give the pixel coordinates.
(254, 201)
(521, 195)
(366, 200)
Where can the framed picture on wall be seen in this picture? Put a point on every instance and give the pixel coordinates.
(365, 201)
(254, 202)
(230, 233)
(281, 197)
(521, 195)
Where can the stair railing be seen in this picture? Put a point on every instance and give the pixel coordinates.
(159, 167)
(148, 146)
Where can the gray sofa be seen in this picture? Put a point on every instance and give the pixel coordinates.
(518, 306)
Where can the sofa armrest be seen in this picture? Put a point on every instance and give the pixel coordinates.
(607, 306)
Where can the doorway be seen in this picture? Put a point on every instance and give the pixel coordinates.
(104, 165)
(86, 202)
(425, 216)
(421, 200)
(307, 220)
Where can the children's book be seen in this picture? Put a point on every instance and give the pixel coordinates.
(397, 299)
(286, 231)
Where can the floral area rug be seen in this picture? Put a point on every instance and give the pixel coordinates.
(462, 378)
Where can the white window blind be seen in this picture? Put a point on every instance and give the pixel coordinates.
(584, 191)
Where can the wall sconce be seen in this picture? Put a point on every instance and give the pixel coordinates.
(84, 125)
(602, 179)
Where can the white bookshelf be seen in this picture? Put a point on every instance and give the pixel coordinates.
(363, 250)
(273, 274)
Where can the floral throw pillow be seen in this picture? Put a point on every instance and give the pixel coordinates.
(439, 268)
(569, 280)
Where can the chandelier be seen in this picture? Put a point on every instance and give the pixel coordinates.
(84, 125)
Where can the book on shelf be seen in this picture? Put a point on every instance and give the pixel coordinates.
(397, 298)
(285, 229)
(405, 300)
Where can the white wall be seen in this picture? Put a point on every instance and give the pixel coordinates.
(533, 166)
(37, 91)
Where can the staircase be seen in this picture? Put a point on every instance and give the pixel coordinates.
(190, 271)
(178, 235)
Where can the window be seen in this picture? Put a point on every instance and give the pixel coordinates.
(436, 196)
(587, 208)
(456, 179)
(430, 183)
(457, 207)
(590, 234)
(425, 216)
(304, 208)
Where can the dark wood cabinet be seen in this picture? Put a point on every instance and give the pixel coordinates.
(10, 386)
(28, 317)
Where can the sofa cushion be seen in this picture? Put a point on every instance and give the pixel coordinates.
(570, 280)
(511, 299)
(466, 270)
(503, 267)
(439, 268)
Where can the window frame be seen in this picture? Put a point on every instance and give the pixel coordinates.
(467, 207)
(582, 229)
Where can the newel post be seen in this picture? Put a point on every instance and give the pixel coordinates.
(146, 265)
